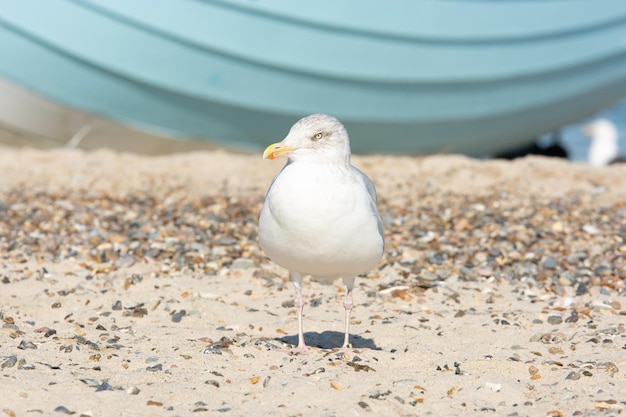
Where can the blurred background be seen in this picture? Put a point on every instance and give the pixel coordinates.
(481, 78)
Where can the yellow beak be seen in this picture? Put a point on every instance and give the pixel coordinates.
(276, 150)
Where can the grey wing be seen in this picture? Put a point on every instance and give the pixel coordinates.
(371, 190)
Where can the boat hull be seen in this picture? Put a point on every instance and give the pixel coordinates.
(408, 77)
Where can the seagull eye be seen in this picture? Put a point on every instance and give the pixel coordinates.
(317, 136)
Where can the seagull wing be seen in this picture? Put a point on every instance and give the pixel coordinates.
(371, 190)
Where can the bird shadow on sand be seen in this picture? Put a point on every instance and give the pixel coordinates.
(331, 340)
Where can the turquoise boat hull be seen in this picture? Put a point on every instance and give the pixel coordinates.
(404, 76)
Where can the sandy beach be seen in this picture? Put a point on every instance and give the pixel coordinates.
(134, 286)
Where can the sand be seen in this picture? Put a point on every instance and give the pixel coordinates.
(133, 285)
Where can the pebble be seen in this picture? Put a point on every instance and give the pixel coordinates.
(365, 406)
(125, 261)
(581, 289)
(549, 263)
(468, 272)
(9, 363)
(573, 375)
(177, 316)
(410, 255)
(425, 276)
(133, 390)
(555, 319)
(380, 395)
(104, 386)
(63, 409)
(21, 364)
(242, 263)
(573, 318)
(26, 345)
(155, 368)
(484, 272)
(591, 229)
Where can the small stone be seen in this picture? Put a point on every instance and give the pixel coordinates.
(573, 318)
(241, 263)
(125, 261)
(557, 226)
(410, 255)
(26, 345)
(104, 386)
(91, 382)
(365, 406)
(399, 399)
(21, 364)
(426, 276)
(581, 289)
(378, 395)
(555, 319)
(9, 363)
(556, 350)
(466, 271)
(316, 302)
(484, 272)
(573, 375)
(335, 385)
(591, 229)
(549, 263)
(155, 368)
(133, 390)
(178, 316)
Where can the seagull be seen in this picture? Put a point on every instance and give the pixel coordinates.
(604, 149)
(319, 216)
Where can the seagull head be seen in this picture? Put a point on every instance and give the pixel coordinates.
(317, 137)
(601, 129)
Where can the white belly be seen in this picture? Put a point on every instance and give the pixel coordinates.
(319, 227)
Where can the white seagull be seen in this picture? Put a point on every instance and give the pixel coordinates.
(604, 148)
(319, 216)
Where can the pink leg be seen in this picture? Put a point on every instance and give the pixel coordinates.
(347, 304)
(299, 304)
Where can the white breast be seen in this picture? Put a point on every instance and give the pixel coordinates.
(321, 222)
